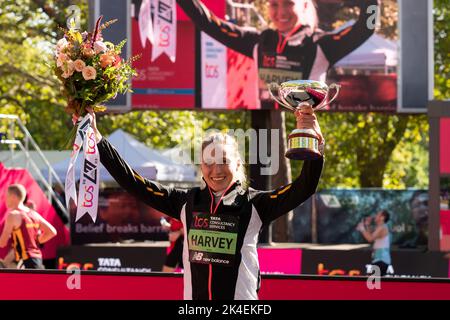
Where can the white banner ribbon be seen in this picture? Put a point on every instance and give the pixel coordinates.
(145, 23)
(87, 202)
(70, 188)
(90, 179)
(165, 16)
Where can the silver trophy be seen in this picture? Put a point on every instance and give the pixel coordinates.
(303, 143)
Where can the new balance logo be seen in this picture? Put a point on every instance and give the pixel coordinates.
(197, 256)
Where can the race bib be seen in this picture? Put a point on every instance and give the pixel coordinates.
(267, 76)
(212, 239)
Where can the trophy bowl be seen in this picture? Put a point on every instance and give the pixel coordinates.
(303, 143)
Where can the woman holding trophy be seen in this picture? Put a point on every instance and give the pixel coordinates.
(222, 219)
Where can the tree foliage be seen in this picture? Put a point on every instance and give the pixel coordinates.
(441, 14)
(28, 87)
(373, 150)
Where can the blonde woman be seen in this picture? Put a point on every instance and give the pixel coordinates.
(222, 219)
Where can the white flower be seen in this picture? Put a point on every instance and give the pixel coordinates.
(99, 47)
(61, 43)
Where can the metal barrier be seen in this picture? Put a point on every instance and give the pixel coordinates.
(28, 141)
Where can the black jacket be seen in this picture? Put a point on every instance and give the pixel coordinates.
(219, 256)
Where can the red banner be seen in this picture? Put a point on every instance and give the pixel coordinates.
(163, 84)
(43, 207)
(444, 149)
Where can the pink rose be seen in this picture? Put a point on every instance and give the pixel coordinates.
(61, 59)
(99, 47)
(88, 53)
(67, 68)
(79, 65)
(89, 73)
(87, 50)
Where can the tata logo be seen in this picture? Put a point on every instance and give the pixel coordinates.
(109, 262)
(211, 71)
(90, 171)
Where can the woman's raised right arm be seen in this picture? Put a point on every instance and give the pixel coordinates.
(240, 39)
(167, 200)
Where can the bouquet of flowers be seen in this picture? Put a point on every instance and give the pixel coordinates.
(91, 70)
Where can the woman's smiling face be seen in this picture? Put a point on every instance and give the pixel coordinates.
(217, 167)
(285, 13)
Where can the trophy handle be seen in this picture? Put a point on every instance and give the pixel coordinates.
(275, 86)
(324, 103)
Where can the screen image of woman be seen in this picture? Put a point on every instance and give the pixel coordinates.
(295, 48)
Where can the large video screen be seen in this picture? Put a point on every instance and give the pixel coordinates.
(217, 54)
(230, 61)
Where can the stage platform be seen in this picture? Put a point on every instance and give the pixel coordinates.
(280, 258)
(95, 285)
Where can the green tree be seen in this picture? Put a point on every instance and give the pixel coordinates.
(28, 87)
(166, 129)
(373, 150)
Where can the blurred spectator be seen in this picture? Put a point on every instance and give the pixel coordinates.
(28, 229)
(381, 239)
(9, 260)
